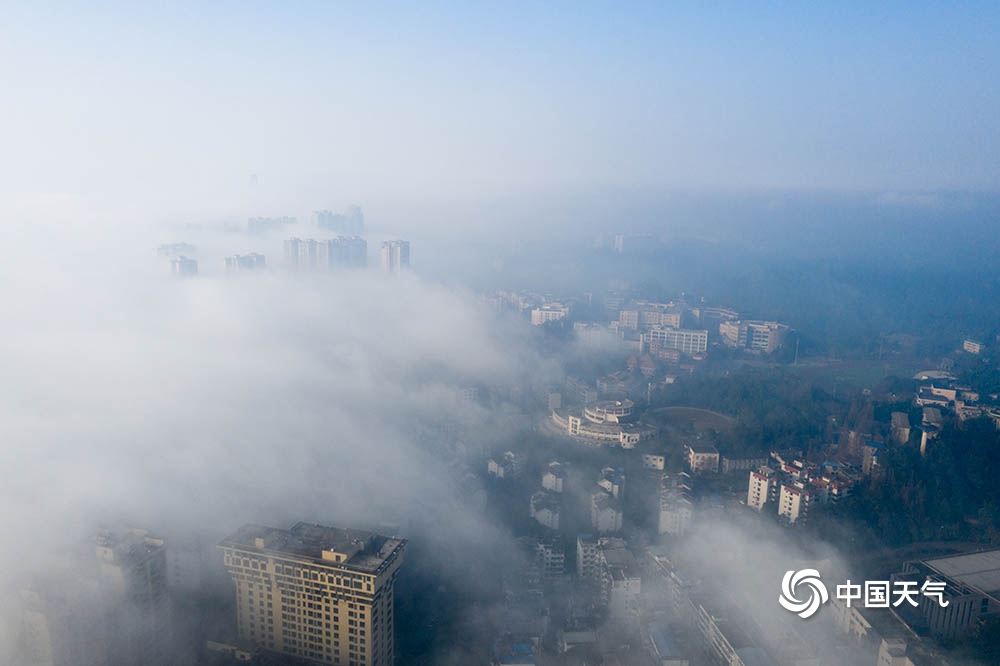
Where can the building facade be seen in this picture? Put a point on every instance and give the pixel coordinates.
(395, 256)
(314, 592)
(690, 342)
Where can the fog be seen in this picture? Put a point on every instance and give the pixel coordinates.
(834, 170)
(195, 406)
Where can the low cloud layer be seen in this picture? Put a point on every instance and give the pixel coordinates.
(132, 397)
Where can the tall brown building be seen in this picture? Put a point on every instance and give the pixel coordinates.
(319, 593)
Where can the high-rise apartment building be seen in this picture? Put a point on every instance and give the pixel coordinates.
(244, 262)
(341, 252)
(319, 593)
(183, 266)
(395, 256)
(351, 221)
(135, 599)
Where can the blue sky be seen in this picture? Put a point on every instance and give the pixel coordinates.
(178, 105)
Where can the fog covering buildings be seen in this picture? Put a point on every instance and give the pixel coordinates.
(846, 192)
(190, 434)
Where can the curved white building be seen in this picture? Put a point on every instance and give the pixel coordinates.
(609, 411)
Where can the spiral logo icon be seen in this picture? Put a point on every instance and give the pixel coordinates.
(807, 578)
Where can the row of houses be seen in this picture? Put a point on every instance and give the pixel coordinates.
(795, 486)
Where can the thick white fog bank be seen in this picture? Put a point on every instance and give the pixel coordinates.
(133, 396)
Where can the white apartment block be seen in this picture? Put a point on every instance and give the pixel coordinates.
(763, 488)
(690, 342)
(548, 312)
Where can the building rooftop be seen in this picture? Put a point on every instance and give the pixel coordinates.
(979, 570)
(361, 550)
(132, 547)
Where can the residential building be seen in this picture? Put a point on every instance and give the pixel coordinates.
(795, 500)
(579, 392)
(132, 576)
(548, 312)
(763, 488)
(183, 266)
(653, 461)
(342, 252)
(588, 557)
(545, 508)
(702, 458)
(612, 481)
(506, 466)
(676, 510)
(690, 342)
(645, 315)
(607, 564)
(605, 512)
(324, 594)
(760, 337)
(244, 262)
(554, 477)
(796, 486)
(730, 464)
(301, 253)
(972, 346)
(395, 256)
(350, 222)
(550, 555)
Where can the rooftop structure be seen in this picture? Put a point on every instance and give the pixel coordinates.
(972, 590)
(347, 576)
(609, 411)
